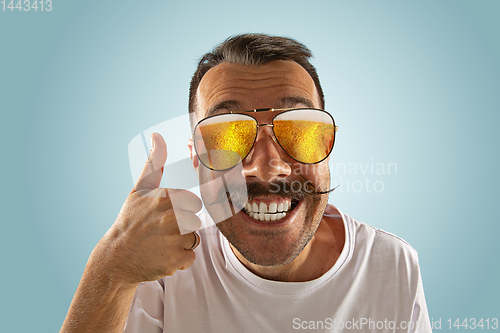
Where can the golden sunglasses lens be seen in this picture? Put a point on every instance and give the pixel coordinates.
(307, 136)
(223, 141)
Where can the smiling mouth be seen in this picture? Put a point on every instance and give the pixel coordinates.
(273, 210)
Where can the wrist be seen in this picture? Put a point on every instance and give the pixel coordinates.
(100, 304)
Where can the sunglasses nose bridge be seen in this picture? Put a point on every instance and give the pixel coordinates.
(266, 158)
(272, 134)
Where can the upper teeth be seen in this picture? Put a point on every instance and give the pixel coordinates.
(263, 212)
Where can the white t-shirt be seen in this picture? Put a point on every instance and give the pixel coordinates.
(375, 285)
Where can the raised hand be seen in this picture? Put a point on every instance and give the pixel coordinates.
(143, 244)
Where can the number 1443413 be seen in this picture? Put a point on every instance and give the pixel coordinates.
(27, 5)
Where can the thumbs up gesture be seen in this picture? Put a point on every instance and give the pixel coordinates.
(145, 242)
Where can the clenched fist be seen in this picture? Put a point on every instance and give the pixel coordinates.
(144, 243)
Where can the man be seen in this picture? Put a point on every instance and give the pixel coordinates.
(279, 257)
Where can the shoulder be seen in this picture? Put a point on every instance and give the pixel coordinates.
(376, 250)
(360, 234)
(383, 266)
(381, 240)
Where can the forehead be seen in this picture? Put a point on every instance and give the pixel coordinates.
(236, 87)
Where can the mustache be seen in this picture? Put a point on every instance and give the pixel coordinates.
(286, 188)
(292, 189)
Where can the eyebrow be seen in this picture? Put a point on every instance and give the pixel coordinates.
(230, 105)
(294, 101)
(285, 102)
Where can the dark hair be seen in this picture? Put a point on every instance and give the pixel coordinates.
(254, 49)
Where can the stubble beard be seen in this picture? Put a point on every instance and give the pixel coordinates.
(275, 247)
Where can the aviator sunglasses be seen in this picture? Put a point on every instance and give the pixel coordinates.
(222, 141)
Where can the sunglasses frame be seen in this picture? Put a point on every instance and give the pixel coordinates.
(280, 112)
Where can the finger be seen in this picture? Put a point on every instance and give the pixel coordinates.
(152, 172)
(186, 222)
(189, 258)
(184, 205)
(184, 200)
(191, 241)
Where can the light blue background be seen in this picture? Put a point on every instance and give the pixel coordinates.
(415, 83)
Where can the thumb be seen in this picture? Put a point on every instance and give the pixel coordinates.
(150, 177)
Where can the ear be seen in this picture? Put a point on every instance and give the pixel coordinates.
(192, 154)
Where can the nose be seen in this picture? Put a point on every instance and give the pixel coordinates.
(265, 161)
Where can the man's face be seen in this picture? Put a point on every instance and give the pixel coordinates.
(279, 84)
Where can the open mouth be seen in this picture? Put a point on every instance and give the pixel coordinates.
(271, 210)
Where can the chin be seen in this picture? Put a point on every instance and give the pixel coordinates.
(274, 242)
